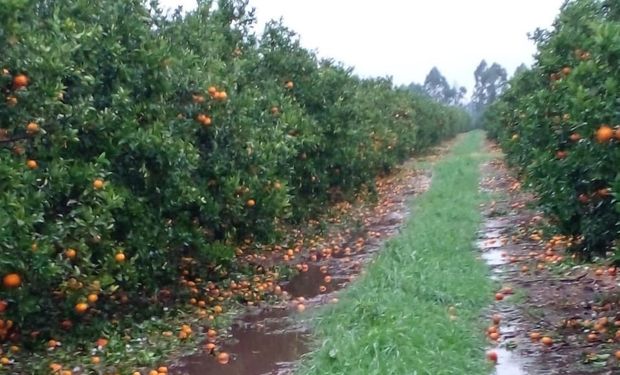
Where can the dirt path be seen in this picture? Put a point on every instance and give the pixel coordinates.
(269, 339)
(574, 305)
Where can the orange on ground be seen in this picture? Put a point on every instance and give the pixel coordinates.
(548, 341)
(223, 358)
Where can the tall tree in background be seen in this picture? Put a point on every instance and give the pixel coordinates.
(520, 69)
(490, 82)
(437, 87)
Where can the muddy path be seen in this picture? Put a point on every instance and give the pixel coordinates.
(558, 317)
(271, 338)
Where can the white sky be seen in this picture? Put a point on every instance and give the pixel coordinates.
(406, 38)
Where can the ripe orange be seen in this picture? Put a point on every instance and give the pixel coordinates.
(604, 134)
(71, 253)
(98, 184)
(211, 333)
(548, 341)
(212, 90)
(575, 137)
(289, 84)
(218, 309)
(119, 257)
(209, 347)
(492, 356)
(277, 185)
(162, 369)
(32, 128)
(19, 81)
(494, 336)
(11, 280)
(250, 203)
(535, 336)
(566, 70)
(499, 296)
(32, 164)
(223, 358)
(81, 308)
(95, 360)
(92, 298)
(617, 354)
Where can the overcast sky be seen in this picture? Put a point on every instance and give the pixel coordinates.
(406, 38)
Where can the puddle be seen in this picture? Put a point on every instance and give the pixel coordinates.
(508, 363)
(269, 340)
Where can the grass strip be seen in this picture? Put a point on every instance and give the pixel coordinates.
(395, 319)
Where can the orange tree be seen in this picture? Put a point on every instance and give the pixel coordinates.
(558, 122)
(131, 140)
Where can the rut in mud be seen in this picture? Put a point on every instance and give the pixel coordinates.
(573, 304)
(270, 339)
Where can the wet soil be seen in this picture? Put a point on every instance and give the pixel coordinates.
(270, 338)
(576, 305)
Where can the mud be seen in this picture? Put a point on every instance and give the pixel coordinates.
(270, 339)
(564, 300)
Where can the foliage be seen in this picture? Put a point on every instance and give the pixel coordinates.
(556, 122)
(132, 141)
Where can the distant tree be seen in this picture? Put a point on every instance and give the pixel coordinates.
(437, 87)
(416, 88)
(490, 82)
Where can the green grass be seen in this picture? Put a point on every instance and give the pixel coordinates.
(395, 319)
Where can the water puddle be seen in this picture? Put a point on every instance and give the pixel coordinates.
(268, 340)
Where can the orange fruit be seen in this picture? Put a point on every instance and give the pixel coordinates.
(547, 341)
(535, 336)
(92, 298)
(209, 347)
(119, 257)
(98, 184)
(617, 354)
(32, 164)
(566, 70)
(494, 336)
(153, 372)
(32, 128)
(222, 96)
(250, 203)
(71, 253)
(499, 296)
(289, 84)
(163, 369)
(19, 81)
(212, 90)
(561, 154)
(575, 137)
(604, 134)
(211, 333)
(218, 309)
(12, 280)
(301, 307)
(492, 356)
(95, 360)
(592, 337)
(223, 358)
(81, 308)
